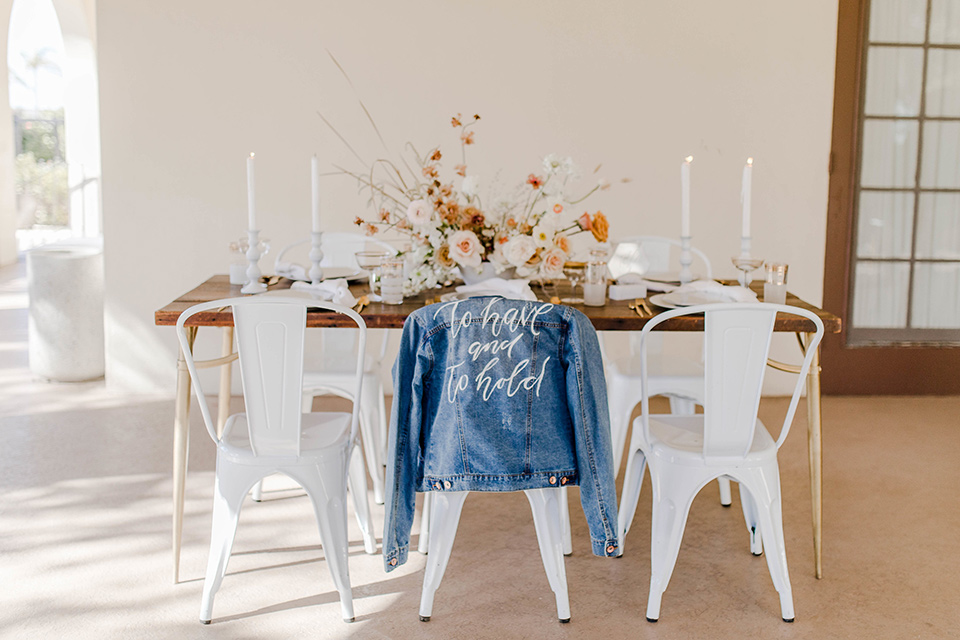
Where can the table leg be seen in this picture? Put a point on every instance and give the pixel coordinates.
(814, 444)
(181, 442)
(226, 377)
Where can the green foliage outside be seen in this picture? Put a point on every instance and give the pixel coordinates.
(40, 171)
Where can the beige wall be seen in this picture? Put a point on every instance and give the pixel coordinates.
(188, 89)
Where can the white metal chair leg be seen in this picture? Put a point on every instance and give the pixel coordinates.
(673, 492)
(567, 536)
(766, 494)
(325, 486)
(357, 481)
(423, 544)
(726, 498)
(229, 489)
(444, 518)
(545, 504)
(750, 518)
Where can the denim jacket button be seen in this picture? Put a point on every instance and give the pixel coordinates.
(393, 562)
(437, 486)
(611, 549)
(553, 479)
(563, 480)
(446, 484)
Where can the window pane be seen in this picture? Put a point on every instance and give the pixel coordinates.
(884, 224)
(938, 226)
(936, 304)
(880, 295)
(943, 83)
(894, 80)
(898, 20)
(945, 22)
(941, 155)
(889, 153)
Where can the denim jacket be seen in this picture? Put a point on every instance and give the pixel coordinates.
(498, 395)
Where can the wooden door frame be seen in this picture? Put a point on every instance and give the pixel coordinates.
(864, 370)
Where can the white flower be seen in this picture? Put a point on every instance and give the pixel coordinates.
(470, 186)
(543, 233)
(554, 164)
(465, 248)
(520, 249)
(419, 212)
(552, 266)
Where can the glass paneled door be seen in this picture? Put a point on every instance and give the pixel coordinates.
(893, 248)
(906, 260)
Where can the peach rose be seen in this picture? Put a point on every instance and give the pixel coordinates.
(584, 222)
(419, 211)
(443, 257)
(563, 243)
(519, 250)
(552, 266)
(600, 227)
(465, 248)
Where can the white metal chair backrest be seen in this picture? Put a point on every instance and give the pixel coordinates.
(270, 339)
(658, 253)
(736, 343)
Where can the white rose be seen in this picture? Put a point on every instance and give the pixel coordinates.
(419, 212)
(520, 249)
(465, 248)
(470, 186)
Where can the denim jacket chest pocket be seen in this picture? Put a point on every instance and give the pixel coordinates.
(498, 395)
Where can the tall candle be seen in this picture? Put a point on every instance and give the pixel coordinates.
(685, 197)
(745, 190)
(315, 186)
(251, 207)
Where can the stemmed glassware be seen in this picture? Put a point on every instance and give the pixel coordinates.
(574, 272)
(369, 261)
(746, 265)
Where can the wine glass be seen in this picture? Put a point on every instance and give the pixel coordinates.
(746, 265)
(369, 261)
(574, 272)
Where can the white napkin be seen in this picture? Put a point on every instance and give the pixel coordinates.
(627, 291)
(630, 279)
(290, 270)
(513, 289)
(713, 289)
(336, 291)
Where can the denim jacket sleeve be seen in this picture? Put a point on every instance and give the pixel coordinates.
(410, 370)
(587, 401)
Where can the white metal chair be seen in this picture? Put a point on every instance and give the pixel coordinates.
(685, 452)
(678, 378)
(273, 436)
(338, 347)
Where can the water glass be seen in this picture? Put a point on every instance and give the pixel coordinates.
(595, 284)
(775, 286)
(391, 279)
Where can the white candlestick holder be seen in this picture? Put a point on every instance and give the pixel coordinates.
(316, 255)
(253, 268)
(745, 246)
(685, 260)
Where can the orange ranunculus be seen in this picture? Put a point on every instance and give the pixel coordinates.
(584, 222)
(563, 243)
(601, 227)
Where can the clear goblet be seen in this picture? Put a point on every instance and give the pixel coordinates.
(369, 261)
(746, 265)
(574, 272)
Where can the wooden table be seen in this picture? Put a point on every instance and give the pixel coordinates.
(615, 316)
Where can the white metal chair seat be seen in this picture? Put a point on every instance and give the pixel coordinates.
(319, 432)
(681, 439)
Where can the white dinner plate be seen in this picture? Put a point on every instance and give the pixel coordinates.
(675, 300)
(667, 277)
(334, 273)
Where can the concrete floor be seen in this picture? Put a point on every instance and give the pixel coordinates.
(85, 537)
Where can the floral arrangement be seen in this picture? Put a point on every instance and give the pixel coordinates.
(450, 226)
